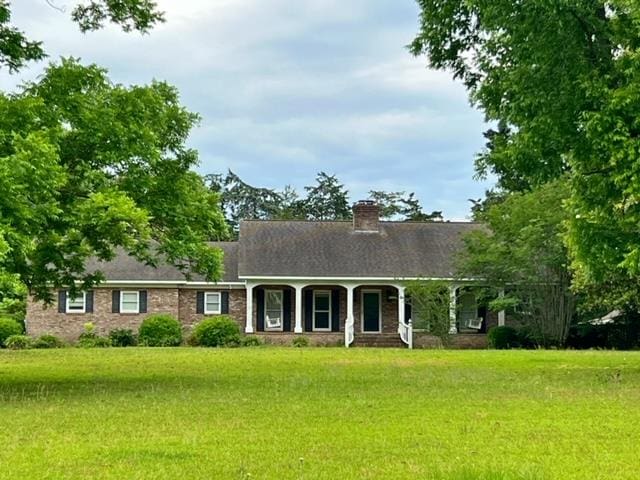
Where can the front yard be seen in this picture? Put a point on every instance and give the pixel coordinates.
(188, 413)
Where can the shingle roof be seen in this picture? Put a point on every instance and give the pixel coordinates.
(125, 267)
(334, 249)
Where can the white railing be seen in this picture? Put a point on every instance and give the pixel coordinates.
(406, 332)
(349, 332)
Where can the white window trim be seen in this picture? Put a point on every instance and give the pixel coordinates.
(213, 312)
(137, 292)
(314, 328)
(379, 292)
(281, 327)
(84, 304)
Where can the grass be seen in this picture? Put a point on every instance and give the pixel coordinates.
(190, 413)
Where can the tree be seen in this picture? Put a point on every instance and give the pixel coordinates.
(561, 81)
(430, 307)
(399, 205)
(241, 201)
(522, 252)
(327, 200)
(87, 166)
(16, 49)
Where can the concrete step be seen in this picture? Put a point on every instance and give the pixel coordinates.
(382, 340)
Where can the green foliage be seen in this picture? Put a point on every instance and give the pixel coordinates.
(522, 252)
(8, 327)
(18, 342)
(218, 331)
(93, 342)
(558, 110)
(300, 341)
(16, 49)
(430, 302)
(327, 200)
(503, 338)
(88, 166)
(121, 337)
(250, 341)
(48, 341)
(395, 205)
(160, 331)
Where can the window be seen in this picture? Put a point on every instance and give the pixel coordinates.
(212, 303)
(129, 302)
(468, 313)
(77, 304)
(321, 311)
(273, 310)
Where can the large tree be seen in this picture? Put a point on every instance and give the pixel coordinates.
(327, 199)
(16, 49)
(560, 80)
(87, 166)
(523, 253)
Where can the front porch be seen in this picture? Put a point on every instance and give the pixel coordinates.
(352, 314)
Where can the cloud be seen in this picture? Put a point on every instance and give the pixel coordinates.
(287, 89)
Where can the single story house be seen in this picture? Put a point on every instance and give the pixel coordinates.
(336, 282)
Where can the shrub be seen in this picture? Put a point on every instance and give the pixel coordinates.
(48, 341)
(89, 331)
(8, 327)
(300, 342)
(251, 341)
(18, 342)
(160, 331)
(220, 331)
(121, 337)
(94, 342)
(503, 338)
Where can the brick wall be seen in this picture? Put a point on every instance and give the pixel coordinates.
(187, 310)
(41, 320)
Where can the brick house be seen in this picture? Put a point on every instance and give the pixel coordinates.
(337, 282)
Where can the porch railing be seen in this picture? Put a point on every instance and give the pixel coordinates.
(406, 332)
(349, 332)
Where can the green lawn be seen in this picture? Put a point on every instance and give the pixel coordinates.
(280, 413)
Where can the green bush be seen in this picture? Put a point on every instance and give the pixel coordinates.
(219, 331)
(121, 337)
(250, 341)
(8, 327)
(160, 331)
(300, 342)
(94, 342)
(503, 338)
(48, 341)
(18, 342)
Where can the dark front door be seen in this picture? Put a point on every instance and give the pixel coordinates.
(371, 311)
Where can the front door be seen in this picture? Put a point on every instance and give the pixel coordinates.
(370, 311)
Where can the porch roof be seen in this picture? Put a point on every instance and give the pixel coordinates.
(334, 249)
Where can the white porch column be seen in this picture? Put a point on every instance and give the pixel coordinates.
(298, 314)
(400, 304)
(249, 325)
(349, 326)
(453, 328)
(501, 313)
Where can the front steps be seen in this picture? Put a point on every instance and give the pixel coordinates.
(380, 340)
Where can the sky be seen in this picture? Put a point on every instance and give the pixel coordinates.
(288, 88)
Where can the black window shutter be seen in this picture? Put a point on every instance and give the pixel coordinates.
(115, 301)
(224, 302)
(143, 301)
(199, 302)
(260, 302)
(62, 301)
(286, 310)
(335, 310)
(308, 310)
(89, 305)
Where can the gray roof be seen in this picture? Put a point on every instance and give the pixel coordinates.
(334, 249)
(125, 267)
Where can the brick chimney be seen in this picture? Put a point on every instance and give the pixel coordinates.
(366, 216)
